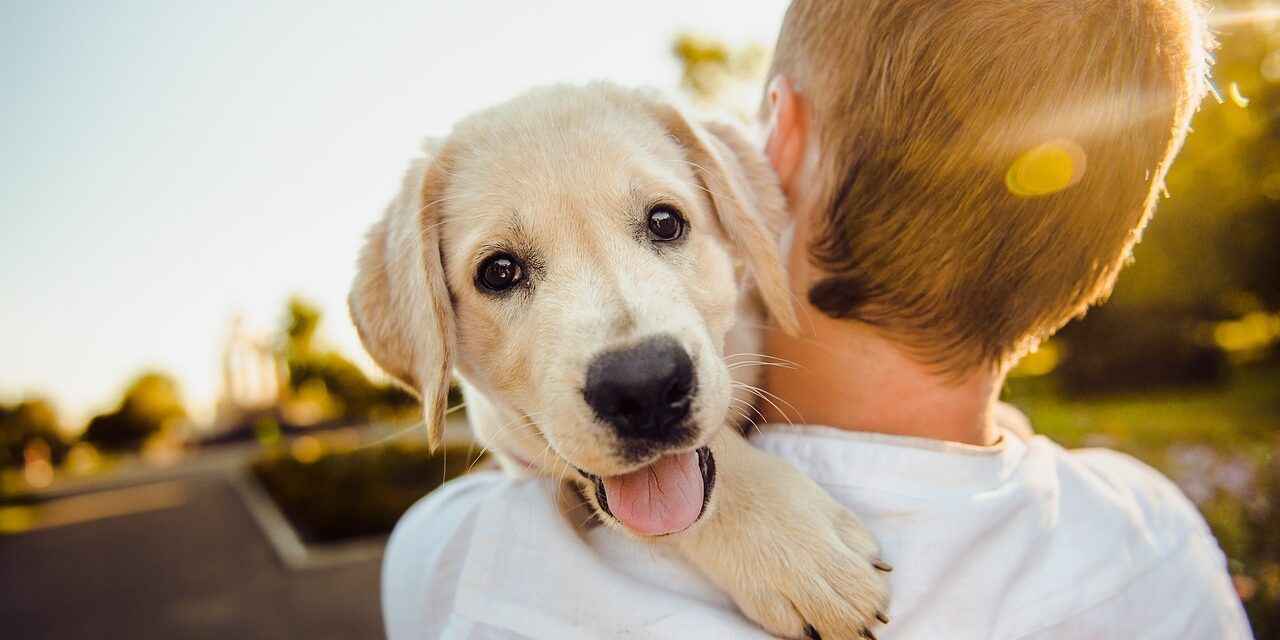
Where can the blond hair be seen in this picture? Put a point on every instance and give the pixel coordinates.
(989, 164)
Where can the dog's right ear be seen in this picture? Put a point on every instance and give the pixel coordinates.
(399, 301)
(746, 198)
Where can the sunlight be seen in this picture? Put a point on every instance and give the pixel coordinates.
(1252, 16)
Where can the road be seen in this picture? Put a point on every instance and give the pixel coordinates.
(178, 558)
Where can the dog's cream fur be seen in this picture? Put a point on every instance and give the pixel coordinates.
(564, 177)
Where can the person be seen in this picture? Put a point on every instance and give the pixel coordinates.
(964, 178)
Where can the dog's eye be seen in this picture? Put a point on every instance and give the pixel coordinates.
(665, 223)
(499, 273)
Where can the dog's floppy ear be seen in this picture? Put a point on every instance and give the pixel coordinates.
(399, 301)
(747, 199)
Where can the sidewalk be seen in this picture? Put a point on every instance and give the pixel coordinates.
(174, 552)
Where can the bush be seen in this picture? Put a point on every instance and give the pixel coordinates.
(339, 494)
(1122, 349)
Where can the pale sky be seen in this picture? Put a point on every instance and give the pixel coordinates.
(165, 166)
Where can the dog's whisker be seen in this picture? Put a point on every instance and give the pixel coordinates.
(749, 405)
(507, 435)
(398, 433)
(742, 417)
(746, 415)
(739, 365)
(764, 395)
(763, 358)
(760, 355)
(783, 401)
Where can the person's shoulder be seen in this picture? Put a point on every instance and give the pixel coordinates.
(1150, 498)
(442, 512)
(429, 549)
(1152, 565)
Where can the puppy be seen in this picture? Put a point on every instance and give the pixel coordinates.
(588, 261)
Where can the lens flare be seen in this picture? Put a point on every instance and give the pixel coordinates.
(1234, 92)
(1249, 16)
(1046, 169)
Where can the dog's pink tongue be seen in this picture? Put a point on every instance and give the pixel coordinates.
(664, 497)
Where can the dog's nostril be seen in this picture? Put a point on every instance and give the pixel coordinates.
(643, 391)
(677, 392)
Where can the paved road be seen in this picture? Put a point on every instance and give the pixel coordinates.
(192, 566)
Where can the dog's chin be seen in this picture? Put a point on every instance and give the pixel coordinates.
(706, 467)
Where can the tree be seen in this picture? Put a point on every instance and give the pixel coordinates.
(24, 424)
(150, 405)
(347, 392)
(718, 76)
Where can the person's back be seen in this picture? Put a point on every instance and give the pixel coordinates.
(1018, 540)
(965, 177)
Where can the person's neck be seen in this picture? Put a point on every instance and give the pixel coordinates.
(843, 374)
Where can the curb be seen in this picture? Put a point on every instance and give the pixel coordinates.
(290, 550)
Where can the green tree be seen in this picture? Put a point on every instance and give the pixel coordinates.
(711, 71)
(150, 405)
(347, 392)
(30, 421)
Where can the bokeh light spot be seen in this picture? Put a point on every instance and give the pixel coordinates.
(1233, 90)
(1046, 169)
(306, 449)
(1271, 66)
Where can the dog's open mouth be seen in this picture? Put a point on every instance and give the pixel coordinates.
(663, 497)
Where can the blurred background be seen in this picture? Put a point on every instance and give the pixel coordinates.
(192, 441)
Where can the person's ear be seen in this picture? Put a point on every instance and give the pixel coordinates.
(399, 301)
(786, 134)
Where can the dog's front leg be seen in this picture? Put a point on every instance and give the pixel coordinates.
(793, 559)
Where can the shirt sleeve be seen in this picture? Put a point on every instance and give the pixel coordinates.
(425, 557)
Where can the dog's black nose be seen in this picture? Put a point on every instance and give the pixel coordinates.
(643, 392)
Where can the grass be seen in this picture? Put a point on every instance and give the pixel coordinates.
(1241, 416)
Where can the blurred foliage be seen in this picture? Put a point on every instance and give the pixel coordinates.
(1138, 348)
(331, 492)
(151, 406)
(329, 386)
(716, 75)
(27, 426)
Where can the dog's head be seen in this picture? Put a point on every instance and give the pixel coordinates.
(576, 254)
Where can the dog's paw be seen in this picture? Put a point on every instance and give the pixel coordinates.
(832, 582)
(792, 558)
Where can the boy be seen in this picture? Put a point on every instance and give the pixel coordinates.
(965, 177)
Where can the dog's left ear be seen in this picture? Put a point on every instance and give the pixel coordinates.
(748, 202)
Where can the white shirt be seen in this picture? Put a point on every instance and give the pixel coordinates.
(1020, 540)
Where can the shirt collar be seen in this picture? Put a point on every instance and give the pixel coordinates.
(906, 465)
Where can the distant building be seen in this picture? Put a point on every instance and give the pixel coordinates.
(251, 377)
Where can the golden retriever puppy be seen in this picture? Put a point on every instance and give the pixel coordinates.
(584, 259)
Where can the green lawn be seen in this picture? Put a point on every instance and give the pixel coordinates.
(1242, 416)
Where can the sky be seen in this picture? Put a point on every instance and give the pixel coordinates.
(166, 166)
